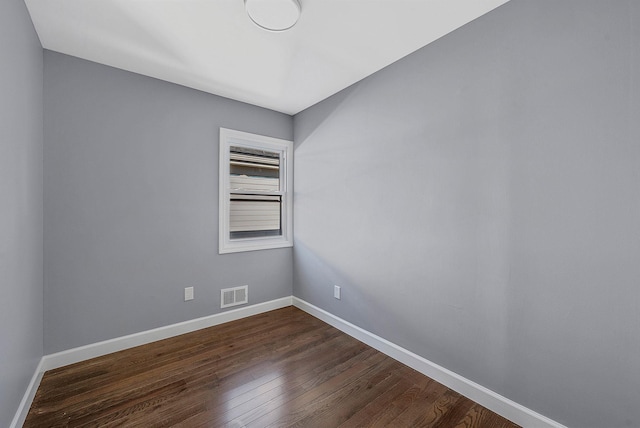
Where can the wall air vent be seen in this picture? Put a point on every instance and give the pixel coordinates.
(234, 296)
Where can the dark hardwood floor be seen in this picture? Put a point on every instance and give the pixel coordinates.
(280, 368)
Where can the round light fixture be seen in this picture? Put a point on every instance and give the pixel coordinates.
(273, 15)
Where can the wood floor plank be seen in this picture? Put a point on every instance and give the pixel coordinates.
(280, 368)
(455, 414)
(340, 405)
(424, 392)
(480, 417)
(374, 409)
(291, 381)
(315, 399)
(280, 408)
(429, 415)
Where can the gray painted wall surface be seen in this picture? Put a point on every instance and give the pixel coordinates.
(131, 204)
(20, 205)
(479, 203)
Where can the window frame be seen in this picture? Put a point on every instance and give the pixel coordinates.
(229, 138)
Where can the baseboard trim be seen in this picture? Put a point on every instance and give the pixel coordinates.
(98, 349)
(27, 399)
(491, 400)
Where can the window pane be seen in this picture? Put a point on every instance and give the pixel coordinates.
(255, 170)
(251, 215)
(254, 216)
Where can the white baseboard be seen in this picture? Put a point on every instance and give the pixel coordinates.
(98, 349)
(93, 350)
(27, 399)
(478, 393)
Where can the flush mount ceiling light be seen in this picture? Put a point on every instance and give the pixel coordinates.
(273, 15)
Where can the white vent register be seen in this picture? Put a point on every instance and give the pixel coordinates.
(234, 296)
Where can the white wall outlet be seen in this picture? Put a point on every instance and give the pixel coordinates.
(188, 293)
(336, 291)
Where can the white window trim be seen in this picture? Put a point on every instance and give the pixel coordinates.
(228, 138)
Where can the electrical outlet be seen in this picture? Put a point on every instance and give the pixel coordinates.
(336, 291)
(188, 293)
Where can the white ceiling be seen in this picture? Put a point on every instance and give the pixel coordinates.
(213, 46)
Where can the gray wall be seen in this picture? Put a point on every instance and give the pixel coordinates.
(131, 204)
(479, 203)
(20, 205)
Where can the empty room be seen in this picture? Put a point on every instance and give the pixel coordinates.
(323, 213)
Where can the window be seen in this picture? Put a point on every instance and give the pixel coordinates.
(255, 192)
